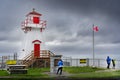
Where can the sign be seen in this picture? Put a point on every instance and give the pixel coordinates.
(83, 61)
(11, 62)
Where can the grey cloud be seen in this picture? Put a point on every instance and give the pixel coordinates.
(68, 21)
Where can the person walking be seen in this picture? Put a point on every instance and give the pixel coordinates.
(113, 62)
(108, 62)
(60, 66)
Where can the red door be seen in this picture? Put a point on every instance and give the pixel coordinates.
(36, 50)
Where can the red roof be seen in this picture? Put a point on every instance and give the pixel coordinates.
(34, 13)
(36, 41)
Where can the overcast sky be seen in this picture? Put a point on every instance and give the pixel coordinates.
(69, 26)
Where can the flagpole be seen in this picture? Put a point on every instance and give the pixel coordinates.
(93, 48)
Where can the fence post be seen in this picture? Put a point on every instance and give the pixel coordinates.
(2, 63)
(77, 62)
(98, 62)
(87, 61)
(71, 61)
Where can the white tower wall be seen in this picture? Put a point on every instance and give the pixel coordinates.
(33, 27)
(28, 46)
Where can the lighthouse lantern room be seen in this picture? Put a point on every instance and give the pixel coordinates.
(33, 21)
(33, 27)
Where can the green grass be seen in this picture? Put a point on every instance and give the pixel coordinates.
(81, 69)
(112, 74)
(89, 72)
(37, 71)
(3, 73)
(77, 72)
(32, 74)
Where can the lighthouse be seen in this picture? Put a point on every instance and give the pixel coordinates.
(33, 28)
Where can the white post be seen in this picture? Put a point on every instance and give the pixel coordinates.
(52, 59)
(51, 64)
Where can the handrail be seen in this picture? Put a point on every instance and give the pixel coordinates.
(30, 59)
(26, 57)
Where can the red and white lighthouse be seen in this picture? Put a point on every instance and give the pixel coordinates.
(33, 28)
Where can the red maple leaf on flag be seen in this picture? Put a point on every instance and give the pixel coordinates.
(95, 28)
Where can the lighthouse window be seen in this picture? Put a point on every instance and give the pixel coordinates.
(36, 20)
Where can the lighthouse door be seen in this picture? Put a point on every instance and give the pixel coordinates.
(36, 50)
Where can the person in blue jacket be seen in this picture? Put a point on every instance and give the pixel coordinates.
(108, 62)
(60, 66)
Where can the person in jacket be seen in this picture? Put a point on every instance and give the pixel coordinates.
(108, 62)
(60, 66)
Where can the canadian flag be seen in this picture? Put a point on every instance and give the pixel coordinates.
(95, 28)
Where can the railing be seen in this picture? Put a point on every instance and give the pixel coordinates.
(28, 56)
(45, 54)
(30, 59)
